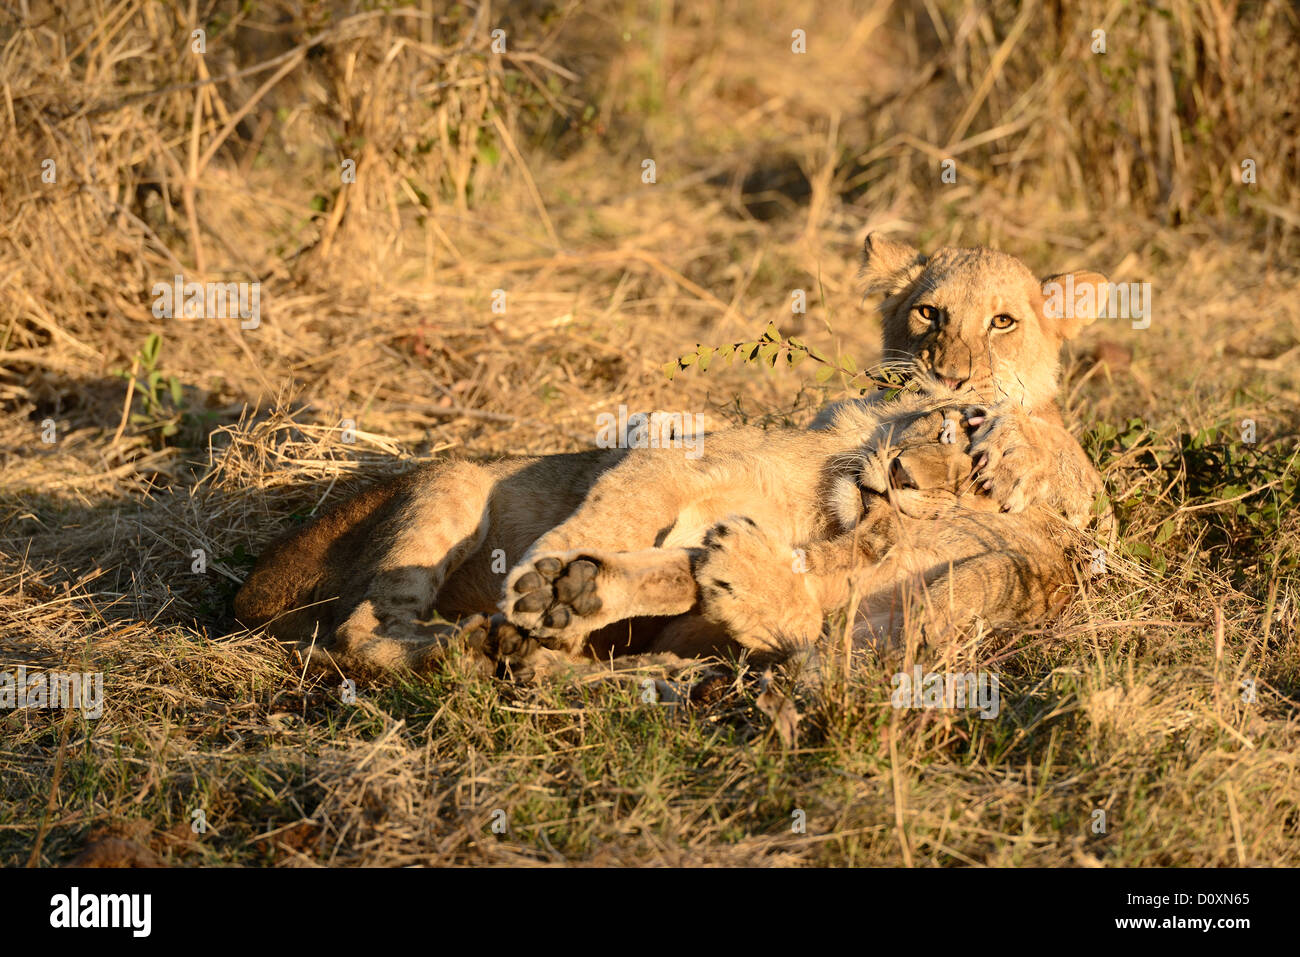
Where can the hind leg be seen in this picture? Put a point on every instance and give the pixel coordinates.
(393, 624)
(435, 531)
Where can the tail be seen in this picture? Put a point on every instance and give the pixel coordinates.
(294, 588)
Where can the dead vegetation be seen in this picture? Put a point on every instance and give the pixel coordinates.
(521, 171)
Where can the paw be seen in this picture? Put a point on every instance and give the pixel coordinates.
(737, 557)
(735, 570)
(1011, 463)
(555, 596)
(508, 650)
(752, 585)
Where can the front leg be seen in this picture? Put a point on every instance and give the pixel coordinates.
(1022, 460)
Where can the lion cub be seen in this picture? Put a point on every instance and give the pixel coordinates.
(366, 581)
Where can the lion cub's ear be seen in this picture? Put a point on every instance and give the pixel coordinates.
(1072, 300)
(888, 266)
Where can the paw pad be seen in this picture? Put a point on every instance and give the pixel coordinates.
(558, 591)
(506, 646)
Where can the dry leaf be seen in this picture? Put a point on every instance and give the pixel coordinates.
(784, 715)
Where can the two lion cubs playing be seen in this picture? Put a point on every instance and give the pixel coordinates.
(949, 502)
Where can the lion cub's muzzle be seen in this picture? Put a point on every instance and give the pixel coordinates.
(932, 454)
(930, 467)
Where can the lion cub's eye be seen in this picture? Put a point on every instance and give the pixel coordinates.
(929, 313)
(1003, 322)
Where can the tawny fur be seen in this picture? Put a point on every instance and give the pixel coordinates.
(621, 551)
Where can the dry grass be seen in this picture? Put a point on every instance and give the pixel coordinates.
(522, 172)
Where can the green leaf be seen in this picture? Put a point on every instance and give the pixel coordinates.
(824, 373)
(151, 349)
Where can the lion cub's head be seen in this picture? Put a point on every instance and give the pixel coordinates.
(975, 319)
(917, 461)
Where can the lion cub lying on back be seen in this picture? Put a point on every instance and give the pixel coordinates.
(363, 582)
(617, 551)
